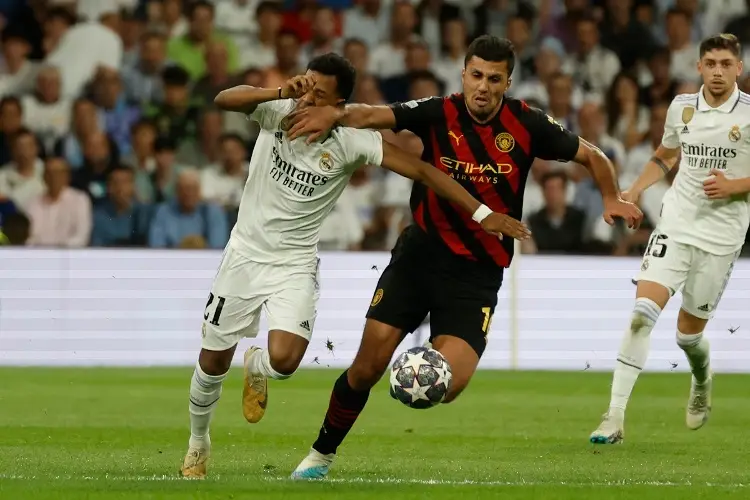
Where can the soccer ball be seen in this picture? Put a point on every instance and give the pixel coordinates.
(420, 378)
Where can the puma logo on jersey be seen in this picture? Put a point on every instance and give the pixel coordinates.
(456, 138)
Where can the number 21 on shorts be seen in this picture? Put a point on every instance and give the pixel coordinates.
(487, 312)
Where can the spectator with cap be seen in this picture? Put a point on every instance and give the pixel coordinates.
(120, 220)
(187, 50)
(62, 216)
(185, 220)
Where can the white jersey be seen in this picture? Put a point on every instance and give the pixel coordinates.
(709, 138)
(292, 187)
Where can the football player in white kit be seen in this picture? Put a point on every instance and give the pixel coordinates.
(704, 220)
(271, 259)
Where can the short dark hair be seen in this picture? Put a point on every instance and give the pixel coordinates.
(164, 143)
(12, 101)
(21, 132)
(62, 13)
(175, 76)
(268, 6)
(721, 41)
(10, 34)
(232, 136)
(555, 174)
(332, 64)
(492, 48)
(676, 11)
(194, 6)
(119, 168)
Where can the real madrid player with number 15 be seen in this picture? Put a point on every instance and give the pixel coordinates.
(704, 220)
(271, 259)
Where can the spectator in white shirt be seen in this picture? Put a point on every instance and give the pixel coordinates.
(224, 182)
(19, 73)
(324, 38)
(627, 119)
(639, 156)
(237, 19)
(262, 51)
(593, 66)
(388, 58)
(47, 113)
(83, 48)
(62, 216)
(357, 53)
(21, 179)
(170, 18)
(342, 229)
(368, 21)
(684, 52)
(449, 66)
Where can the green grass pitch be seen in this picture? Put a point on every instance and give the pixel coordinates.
(122, 433)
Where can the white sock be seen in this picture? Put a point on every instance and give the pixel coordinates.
(697, 350)
(633, 354)
(260, 363)
(205, 391)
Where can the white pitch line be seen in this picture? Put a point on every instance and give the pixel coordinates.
(385, 481)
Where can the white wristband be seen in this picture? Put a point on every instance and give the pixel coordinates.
(481, 213)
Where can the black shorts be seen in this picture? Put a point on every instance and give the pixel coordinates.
(423, 277)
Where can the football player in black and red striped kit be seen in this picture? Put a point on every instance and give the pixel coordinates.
(444, 264)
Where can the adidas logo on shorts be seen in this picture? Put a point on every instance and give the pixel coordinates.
(705, 308)
(306, 325)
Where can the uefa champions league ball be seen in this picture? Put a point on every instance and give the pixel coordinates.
(420, 378)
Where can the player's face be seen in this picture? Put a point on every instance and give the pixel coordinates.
(323, 93)
(484, 84)
(720, 70)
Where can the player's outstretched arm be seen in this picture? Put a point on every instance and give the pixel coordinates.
(603, 171)
(315, 121)
(658, 166)
(445, 186)
(244, 98)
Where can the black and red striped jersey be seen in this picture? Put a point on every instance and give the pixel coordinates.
(490, 160)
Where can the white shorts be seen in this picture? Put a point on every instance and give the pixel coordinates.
(675, 265)
(288, 294)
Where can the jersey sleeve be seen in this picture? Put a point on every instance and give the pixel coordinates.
(365, 147)
(270, 114)
(671, 137)
(549, 139)
(417, 116)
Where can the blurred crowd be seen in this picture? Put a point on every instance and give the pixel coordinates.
(109, 136)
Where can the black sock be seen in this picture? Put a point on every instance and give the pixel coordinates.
(345, 406)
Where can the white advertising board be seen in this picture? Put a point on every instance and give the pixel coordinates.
(144, 307)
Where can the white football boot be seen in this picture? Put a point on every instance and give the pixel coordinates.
(314, 466)
(610, 431)
(699, 404)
